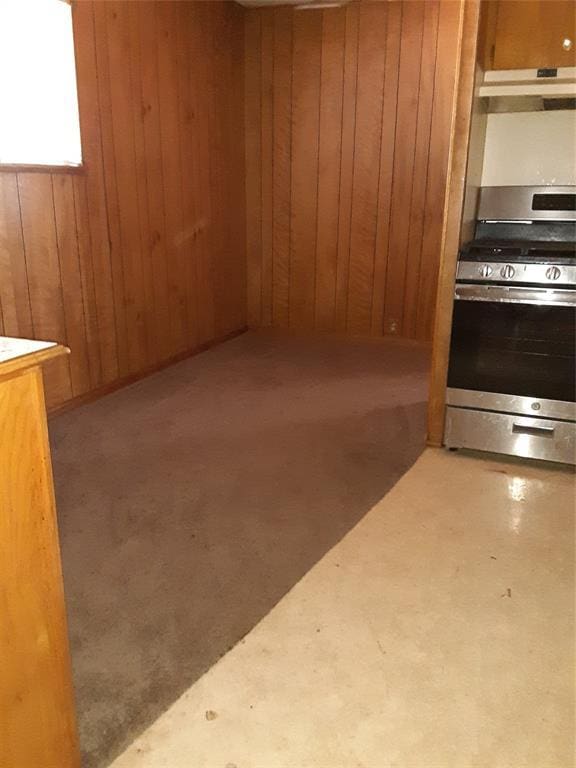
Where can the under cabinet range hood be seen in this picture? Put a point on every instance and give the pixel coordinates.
(557, 83)
(529, 90)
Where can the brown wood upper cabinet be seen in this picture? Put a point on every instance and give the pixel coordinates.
(528, 34)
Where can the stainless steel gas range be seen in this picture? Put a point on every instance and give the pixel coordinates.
(512, 375)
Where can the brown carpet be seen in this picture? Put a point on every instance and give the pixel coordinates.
(192, 501)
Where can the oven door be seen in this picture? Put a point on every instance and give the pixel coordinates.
(516, 341)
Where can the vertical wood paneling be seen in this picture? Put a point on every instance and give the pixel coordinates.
(71, 280)
(140, 256)
(404, 163)
(123, 139)
(369, 92)
(94, 339)
(14, 294)
(150, 109)
(252, 127)
(331, 85)
(91, 208)
(420, 175)
(196, 83)
(371, 58)
(227, 99)
(307, 39)
(112, 210)
(44, 277)
(444, 77)
(209, 56)
(141, 177)
(168, 76)
(191, 245)
(387, 144)
(267, 147)
(347, 162)
(281, 166)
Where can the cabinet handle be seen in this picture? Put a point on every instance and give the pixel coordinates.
(567, 44)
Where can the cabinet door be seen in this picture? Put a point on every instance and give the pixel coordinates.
(530, 34)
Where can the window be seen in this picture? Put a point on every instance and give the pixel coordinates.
(39, 123)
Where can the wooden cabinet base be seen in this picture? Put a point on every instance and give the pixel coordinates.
(37, 723)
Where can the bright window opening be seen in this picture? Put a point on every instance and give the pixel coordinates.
(39, 123)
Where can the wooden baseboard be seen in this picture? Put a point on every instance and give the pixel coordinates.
(125, 381)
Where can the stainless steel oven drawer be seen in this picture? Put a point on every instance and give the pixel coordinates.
(514, 435)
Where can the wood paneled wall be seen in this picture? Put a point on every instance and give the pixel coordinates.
(347, 121)
(139, 257)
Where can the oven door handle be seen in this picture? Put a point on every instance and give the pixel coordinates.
(531, 430)
(559, 297)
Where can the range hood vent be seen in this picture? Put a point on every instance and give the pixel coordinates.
(557, 83)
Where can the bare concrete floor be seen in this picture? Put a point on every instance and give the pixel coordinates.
(439, 633)
(190, 503)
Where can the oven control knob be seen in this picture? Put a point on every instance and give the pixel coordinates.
(507, 272)
(485, 270)
(553, 273)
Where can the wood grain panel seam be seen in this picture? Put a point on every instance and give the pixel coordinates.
(354, 142)
(343, 90)
(437, 183)
(60, 286)
(414, 151)
(319, 134)
(83, 268)
(261, 203)
(24, 253)
(376, 219)
(89, 162)
(429, 160)
(388, 135)
(267, 281)
(338, 217)
(281, 138)
(136, 90)
(141, 296)
(174, 313)
(253, 163)
(273, 186)
(187, 298)
(390, 228)
(161, 163)
(162, 333)
(292, 36)
(113, 181)
(290, 166)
